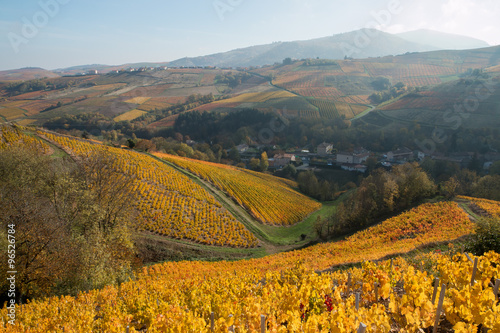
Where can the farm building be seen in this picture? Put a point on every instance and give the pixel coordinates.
(356, 157)
(325, 148)
(400, 155)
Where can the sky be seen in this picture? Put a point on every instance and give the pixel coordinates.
(61, 33)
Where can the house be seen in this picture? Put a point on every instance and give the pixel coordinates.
(281, 160)
(92, 72)
(400, 155)
(358, 156)
(343, 157)
(242, 148)
(325, 148)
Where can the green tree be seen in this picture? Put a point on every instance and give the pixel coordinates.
(486, 237)
(488, 187)
(255, 164)
(234, 155)
(495, 168)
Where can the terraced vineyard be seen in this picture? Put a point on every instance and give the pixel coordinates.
(326, 108)
(291, 297)
(168, 202)
(14, 137)
(489, 206)
(267, 198)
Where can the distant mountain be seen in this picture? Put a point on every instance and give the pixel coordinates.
(355, 44)
(28, 73)
(442, 41)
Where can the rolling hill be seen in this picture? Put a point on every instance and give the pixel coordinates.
(312, 88)
(28, 73)
(442, 41)
(331, 47)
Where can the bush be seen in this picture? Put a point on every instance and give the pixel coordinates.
(486, 237)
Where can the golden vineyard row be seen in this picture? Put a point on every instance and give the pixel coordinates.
(290, 292)
(267, 198)
(168, 202)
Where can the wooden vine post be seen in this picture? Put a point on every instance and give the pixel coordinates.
(436, 284)
(361, 328)
(439, 308)
(474, 271)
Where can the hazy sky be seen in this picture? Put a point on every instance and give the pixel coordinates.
(60, 33)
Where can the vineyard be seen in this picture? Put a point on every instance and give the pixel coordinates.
(326, 92)
(309, 114)
(330, 109)
(267, 198)
(14, 137)
(286, 293)
(326, 108)
(489, 206)
(259, 97)
(168, 202)
(130, 115)
(155, 103)
(11, 113)
(137, 100)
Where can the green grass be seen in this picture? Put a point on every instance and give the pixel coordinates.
(293, 234)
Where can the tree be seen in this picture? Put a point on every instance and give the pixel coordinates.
(255, 164)
(264, 163)
(289, 171)
(73, 222)
(486, 236)
(287, 61)
(381, 83)
(488, 187)
(495, 168)
(234, 155)
(383, 193)
(145, 145)
(449, 188)
(131, 143)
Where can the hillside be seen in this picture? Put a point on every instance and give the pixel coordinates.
(268, 199)
(310, 89)
(433, 106)
(289, 294)
(171, 202)
(332, 47)
(29, 73)
(442, 41)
